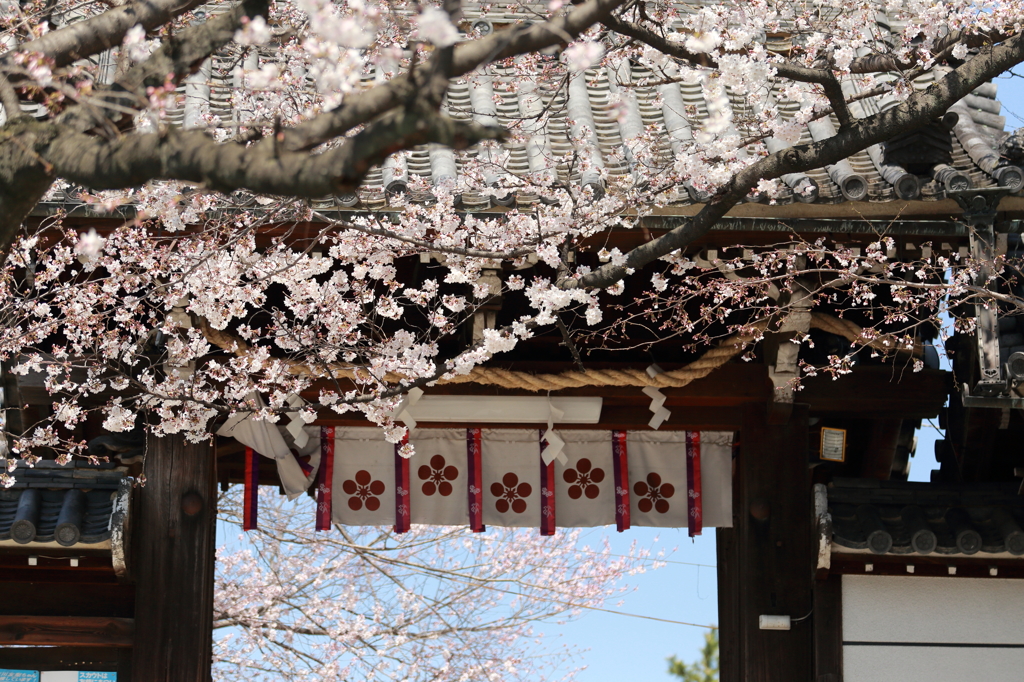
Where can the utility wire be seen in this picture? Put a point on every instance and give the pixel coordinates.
(621, 556)
(589, 608)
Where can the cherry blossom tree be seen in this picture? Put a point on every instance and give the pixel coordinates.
(222, 287)
(365, 603)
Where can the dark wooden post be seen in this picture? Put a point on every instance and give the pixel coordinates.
(766, 561)
(828, 629)
(173, 562)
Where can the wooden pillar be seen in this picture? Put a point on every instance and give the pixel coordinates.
(173, 550)
(828, 629)
(730, 664)
(766, 561)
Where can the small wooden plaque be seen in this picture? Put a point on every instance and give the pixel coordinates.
(833, 445)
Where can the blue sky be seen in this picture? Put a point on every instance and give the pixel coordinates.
(627, 648)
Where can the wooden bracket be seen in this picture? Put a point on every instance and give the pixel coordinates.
(486, 316)
(784, 355)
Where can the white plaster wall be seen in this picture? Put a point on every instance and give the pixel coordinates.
(950, 628)
(930, 664)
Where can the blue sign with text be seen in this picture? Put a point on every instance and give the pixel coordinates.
(19, 676)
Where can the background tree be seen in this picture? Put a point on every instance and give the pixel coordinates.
(705, 669)
(432, 604)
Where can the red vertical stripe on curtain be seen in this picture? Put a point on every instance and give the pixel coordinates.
(402, 498)
(251, 501)
(547, 492)
(695, 508)
(475, 485)
(325, 479)
(620, 465)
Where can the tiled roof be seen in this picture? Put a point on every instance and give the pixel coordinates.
(546, 117)
(922, 165)
(69, 505)
(889, 517)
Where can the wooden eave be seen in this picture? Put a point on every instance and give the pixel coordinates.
(976, 566)
(868, 391)
(1011, 206)
(743, 224)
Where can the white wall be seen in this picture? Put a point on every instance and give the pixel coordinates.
(920, 629)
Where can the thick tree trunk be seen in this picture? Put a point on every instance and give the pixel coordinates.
(24, 176)
(173, 563)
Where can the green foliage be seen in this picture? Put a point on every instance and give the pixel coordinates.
(704, 670)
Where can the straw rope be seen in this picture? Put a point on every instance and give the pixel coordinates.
(714, 358)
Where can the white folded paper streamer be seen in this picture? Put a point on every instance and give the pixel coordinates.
(555, 443)
(268, 439)
(409, 400)
(260, 435)
(657, 400)
(296, 425)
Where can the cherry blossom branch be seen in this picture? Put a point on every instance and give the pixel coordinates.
(784, 69)
(329, 596)
(172, 62)
(263, 168)
(94, 35)
(918, 109)
(879, 63)
(526, 250)
(360, 108)
(867, 94)
(9, 98)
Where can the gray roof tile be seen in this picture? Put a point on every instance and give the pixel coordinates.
(68, 505)
(898, 518)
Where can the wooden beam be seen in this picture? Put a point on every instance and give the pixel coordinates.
(172, 562)
(933, 565)
(766, 561)
(878, 459)
(613, 417)
(874, 390)
(66, 631)
(68, 658)
(40, 597)
(879, 390)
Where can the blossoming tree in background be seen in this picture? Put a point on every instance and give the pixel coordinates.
(365, 603)
(217, 285)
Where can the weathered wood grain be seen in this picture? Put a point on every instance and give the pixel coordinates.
(766, 562)
(66, 631)
(172, 563)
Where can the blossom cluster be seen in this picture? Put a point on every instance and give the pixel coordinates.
(198, 301)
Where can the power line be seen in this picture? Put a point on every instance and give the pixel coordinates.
(583, 606)
(621, 556)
